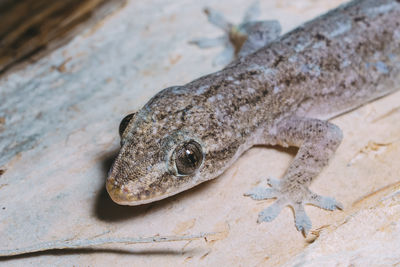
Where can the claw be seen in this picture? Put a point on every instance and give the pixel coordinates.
(302, 221)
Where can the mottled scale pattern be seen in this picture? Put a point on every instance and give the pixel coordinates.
(281, 94)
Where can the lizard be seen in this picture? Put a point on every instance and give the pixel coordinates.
(280, 92)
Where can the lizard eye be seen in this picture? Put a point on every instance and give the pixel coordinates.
(188, 157)
(125, 121)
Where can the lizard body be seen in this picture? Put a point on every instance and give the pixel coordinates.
(283, 94)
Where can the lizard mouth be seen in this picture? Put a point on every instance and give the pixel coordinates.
(122, 195)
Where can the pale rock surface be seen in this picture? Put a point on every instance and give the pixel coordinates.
(368, 236)
(58, 137)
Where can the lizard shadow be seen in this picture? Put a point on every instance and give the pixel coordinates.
(92, 251)
(107, 210)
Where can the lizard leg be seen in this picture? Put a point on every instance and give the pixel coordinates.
(217, 19)
(259, 34)
(242, 39)
(317, 141)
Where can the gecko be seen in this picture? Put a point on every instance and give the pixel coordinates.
(280, 91)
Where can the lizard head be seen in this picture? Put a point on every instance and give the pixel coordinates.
(162, 150)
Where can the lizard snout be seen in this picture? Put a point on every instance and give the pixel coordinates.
(130, 194)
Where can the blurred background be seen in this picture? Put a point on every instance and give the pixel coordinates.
(29, 28)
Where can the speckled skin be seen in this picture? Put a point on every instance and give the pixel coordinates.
(282, 94)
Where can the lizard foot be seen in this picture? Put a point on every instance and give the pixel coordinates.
(289, 197)
(234, 35)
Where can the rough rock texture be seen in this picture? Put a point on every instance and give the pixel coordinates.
(58, 135)
(376, 243)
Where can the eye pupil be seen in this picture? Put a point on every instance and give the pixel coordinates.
(188, 157)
